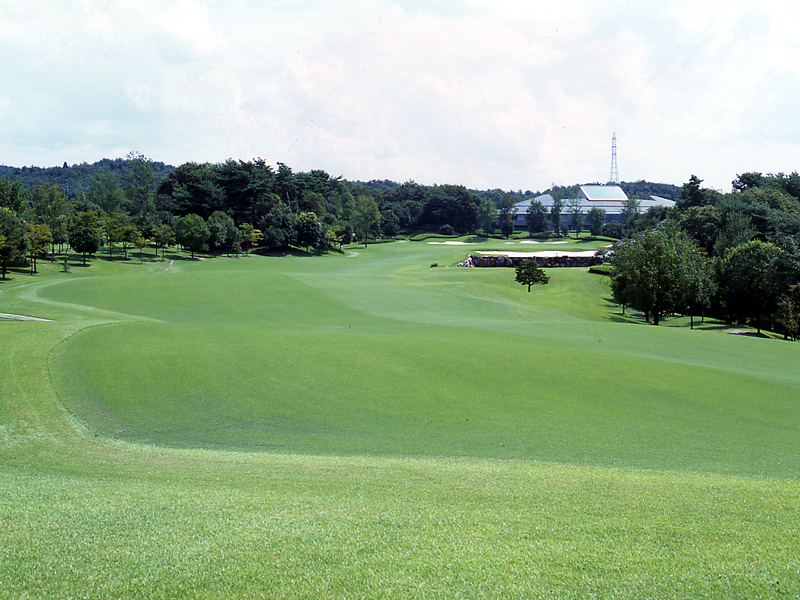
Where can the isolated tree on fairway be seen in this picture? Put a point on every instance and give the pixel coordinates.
(86, 233)
(192, 233)
(530, 273)
(13, 235)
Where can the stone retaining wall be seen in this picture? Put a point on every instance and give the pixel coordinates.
(544, 261)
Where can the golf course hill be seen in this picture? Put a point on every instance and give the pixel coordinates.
(379, 422)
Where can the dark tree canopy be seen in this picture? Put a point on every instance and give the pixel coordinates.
(752, 280)
(13, 240)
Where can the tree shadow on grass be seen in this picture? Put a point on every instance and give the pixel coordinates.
(114, 258)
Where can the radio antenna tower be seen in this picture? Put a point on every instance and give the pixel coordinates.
(614, 170)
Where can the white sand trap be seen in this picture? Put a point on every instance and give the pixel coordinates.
(452, 243)
(529, 242)
(21, 317)
(545, 253)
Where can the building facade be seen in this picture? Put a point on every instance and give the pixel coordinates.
(610, 198)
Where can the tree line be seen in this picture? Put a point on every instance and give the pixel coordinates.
(125, 203)
(223, 207)
(735, 256)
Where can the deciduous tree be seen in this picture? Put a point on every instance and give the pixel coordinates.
(366, 216)
(536, 218)
(555, 212)
(596, 218)
(14, 239)
(751, 281)
(576, 216)
(507, 211)
(250, 236)
(223, 232)
(39, 238)
(647, 274)
(310, 232)
(192, 233)
(696, 283)
(163, 236)
(86, 233)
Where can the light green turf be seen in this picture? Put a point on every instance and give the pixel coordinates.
(647, 462)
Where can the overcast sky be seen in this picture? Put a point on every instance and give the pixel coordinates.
(484, 93)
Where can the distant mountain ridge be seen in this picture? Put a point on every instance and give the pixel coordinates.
(74, 179)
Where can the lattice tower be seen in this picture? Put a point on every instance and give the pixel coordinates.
(614, 169)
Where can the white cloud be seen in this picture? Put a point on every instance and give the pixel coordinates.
(485, 93)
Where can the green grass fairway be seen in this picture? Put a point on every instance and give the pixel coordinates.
(369, 426)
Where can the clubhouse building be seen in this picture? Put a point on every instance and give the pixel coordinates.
(610, 198)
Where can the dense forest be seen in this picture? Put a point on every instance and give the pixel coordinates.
(310, 209)
(732, 254)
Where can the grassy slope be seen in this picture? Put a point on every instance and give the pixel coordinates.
(82, 513)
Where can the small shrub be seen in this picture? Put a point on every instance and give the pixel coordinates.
(601, 269)
(434, 265)
(447, 230)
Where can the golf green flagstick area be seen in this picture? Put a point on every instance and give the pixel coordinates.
(368, 426)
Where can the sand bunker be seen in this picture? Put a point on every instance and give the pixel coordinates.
(452, 243)
(545, 253)
(535, 242)
(11, 317)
